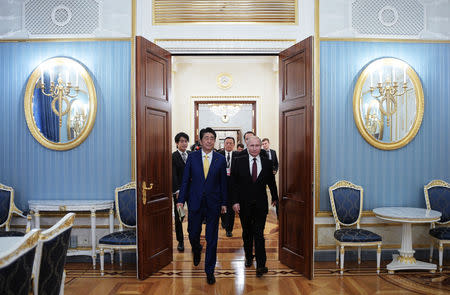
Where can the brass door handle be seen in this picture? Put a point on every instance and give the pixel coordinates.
(145, 188)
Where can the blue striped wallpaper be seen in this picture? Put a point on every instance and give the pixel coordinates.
(91, 170)
(389, 178)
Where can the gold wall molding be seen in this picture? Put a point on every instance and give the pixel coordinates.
(223, 40)
(316, 106)
(133, 90)
(225, 97)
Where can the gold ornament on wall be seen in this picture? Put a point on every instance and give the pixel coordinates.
(388, 103)
(224, 80)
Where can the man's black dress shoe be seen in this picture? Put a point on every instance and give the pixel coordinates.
(210, 278)
(248, 262)
(180, 246)
(197, 257)
(229, 234)
(260, 271)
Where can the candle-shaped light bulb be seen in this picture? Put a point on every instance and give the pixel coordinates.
(67, 76)
(42, 76)
(76, 84)
(51, 75)
(381, 75)
(404, 74)
(371, 79)
(393, 74)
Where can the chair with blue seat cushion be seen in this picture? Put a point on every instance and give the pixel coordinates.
(125, 197)
(7, 209)
(437, 197)
(51, 257)
(346, 203)
(16, 263)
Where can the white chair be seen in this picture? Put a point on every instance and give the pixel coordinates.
(437, 197)
(7, 209)
(346, 202)
(16, 263)
(51, 256)
(126, 213)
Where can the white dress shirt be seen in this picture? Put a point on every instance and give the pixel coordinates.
(210, 156)
(258, 164)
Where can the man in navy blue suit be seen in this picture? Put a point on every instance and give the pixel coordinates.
(204, 188)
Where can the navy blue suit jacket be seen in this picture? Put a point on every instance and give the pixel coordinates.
(194, 186)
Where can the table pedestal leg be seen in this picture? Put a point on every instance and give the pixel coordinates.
(93, 240)
(406, 258)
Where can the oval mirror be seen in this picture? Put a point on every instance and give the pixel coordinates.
(388, 103)
(60, 103)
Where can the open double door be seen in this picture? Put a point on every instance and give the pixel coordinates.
(153, 156)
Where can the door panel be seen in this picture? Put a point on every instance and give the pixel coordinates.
(296, 161)
(153, 156)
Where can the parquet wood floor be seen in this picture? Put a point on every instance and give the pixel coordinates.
(181, 277)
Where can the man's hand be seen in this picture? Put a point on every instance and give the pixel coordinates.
(180, 205)
(275, 172)
(236, 208)
(224, 210)
(274, 203)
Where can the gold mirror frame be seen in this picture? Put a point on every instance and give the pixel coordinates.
(358, 116)
(28, 104)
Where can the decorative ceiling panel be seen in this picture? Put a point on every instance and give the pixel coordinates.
(219, 11)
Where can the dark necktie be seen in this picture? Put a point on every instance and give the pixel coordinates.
(254, 170)
(228, 160)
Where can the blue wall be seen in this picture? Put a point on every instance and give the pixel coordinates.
(91, 170)
(389, 178)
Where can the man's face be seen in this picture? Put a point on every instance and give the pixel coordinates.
(208, 141)
(254, 146)
(240, 149)
(182, 144)
(266, 145)
(229, 145)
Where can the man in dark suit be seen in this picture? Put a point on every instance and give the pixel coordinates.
(179, 158)
(244, 152)
(229, 154)
(249, 178)
(271, 154)
(204, 187)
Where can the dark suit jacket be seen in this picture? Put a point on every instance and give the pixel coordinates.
(177, 170)
(245, 192)
(234, 154)
(274, 158)
(194, 186)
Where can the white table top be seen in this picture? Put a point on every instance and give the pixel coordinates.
(407, 214)
(8, 243)
(70, 205)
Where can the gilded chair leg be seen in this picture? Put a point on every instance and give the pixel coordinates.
(337, 255)
(378, 258)
(342, 260)
(359, 255)
(120, 257)
(441, 254)
(102, 261)
(431, 252)
(112, 256)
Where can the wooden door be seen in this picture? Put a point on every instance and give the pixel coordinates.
(153, 157)
(296, 157)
